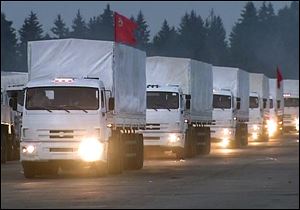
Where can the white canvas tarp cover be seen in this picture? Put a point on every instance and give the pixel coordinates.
(13, 79)
(194, 77)
(259, 83)
(291, 86)
(236, 80)
(121, 68)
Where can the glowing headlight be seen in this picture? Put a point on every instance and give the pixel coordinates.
(297, 123)
(29, 149)
(226, 131)
(272, 127)
(90, 149)
(225, 142)
(173, 138)
(254, 136)
(255, 127)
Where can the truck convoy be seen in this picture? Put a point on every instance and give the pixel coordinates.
(12, 84)
(179, 106)
(275, 122)
(230, 106)
(291, 105)
(85, 104)
(258, 107)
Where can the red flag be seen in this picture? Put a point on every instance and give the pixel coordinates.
(279, 77)
(124, 29)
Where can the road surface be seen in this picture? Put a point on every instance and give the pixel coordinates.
(263, 175)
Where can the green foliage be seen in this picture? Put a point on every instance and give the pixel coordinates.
(142, 33)
(79, 27)
(8, 45)
(60, 29)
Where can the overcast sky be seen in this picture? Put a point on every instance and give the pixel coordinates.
(155, 11)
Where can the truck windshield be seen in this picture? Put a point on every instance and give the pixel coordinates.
(162, 100)
(62, 98)
(291, 102)
(221, 101)
(253, 102)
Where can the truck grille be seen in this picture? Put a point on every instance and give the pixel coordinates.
(74, 134)
(152, 126)
(56, 134)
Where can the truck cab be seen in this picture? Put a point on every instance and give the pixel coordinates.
(165, 118)
(223, 130)
(255, 116)
(60, 117)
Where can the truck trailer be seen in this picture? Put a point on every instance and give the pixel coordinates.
(179, 106)
(85, 104)
(230, 106)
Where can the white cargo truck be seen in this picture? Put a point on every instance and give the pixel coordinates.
(291, 105)
(12, 85)
(179, 106)
(275, 121)
(230, 106)
(85, 104)
(258, 107)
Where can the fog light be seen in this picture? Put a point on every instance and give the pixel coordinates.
(29, 149)
(90, 149)
(254, 136)
(272, 127)
(225, 142)
(173, 138)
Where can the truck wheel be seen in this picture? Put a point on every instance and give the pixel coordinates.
(190, 144)
(135, 146)
(205, 149)
(238, 138)
(29, 169)
(115, 152)
(3, 147)
(244, 134)
(180, 154)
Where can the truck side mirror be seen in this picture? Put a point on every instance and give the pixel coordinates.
(188, 104)
(111, 104)
(238, 103)
(188, 97)
(13, 104)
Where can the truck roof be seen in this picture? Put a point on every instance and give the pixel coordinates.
(75, 82)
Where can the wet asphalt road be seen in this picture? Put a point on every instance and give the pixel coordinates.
(263, 175)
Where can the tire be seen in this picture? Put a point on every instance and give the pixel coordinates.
(190, 143)
(205, 150)
(3, 146)
(244, 135)
(238, 137)
(137, 161)
(30, 170)
(115, 153)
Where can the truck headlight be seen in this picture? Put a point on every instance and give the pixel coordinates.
(226, 132)
(90, 149)
(224, 142)
(297, 123)
(173, 138)
(272, 127)
(28, 149)
(255, 127)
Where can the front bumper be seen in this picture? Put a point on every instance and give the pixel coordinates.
(162, 140)
(49, 151)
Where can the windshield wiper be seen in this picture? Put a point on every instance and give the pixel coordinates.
(40, 107)
(76, 107)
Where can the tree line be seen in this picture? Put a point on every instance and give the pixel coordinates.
(259, 41)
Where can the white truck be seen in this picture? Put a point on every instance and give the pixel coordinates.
(258, 107)
(12, 84)
(276, 102)
(230, 106)
(85, 104)
(179, 106)
(291, 105)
